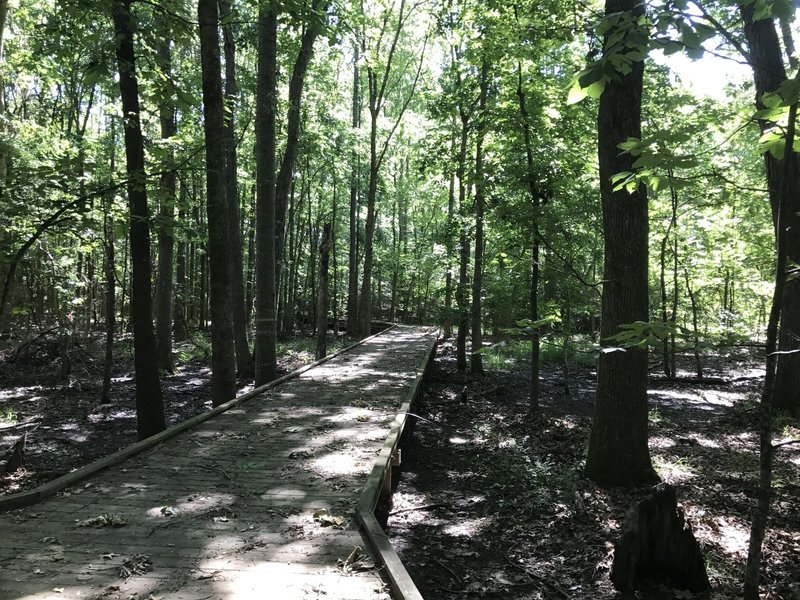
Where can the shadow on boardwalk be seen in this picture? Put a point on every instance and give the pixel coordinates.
(257, 502)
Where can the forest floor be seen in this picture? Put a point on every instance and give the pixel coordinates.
(491, 505)
(67, 427)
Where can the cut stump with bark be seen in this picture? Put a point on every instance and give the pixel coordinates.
(657, 544)
(16, 456)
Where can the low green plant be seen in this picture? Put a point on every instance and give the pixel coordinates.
(9, 416)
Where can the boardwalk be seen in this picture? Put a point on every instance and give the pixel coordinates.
(258, 502)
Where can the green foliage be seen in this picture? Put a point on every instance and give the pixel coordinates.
(625, 42)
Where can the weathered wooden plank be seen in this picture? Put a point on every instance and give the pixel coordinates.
(232, 498)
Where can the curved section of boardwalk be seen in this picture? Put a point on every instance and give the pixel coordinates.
(227, 509)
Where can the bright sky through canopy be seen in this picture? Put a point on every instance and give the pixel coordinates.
(707, 76)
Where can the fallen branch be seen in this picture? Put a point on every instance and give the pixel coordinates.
(789, 443)
(423, 507)
(554, 586)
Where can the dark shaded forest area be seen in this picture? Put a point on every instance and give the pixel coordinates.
(598, 204)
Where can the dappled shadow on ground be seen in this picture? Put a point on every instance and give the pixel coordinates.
(491, 505)
(67, 425)
(255, 503)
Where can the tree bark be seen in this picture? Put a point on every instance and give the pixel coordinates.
(266, 317)
(296, 83)
(166, 238)
(149, 407)
(618, 451)
(322, 294)
(111, 283)
(536, 202)
(450, 246)
(761, 514)
(352, 265)
(463, 241)
(244, 360)
(223, 365)
(3, 151)
(476, 358)
(768, 74)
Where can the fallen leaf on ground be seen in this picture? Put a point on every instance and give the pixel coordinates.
(104, 520)
(326, 519)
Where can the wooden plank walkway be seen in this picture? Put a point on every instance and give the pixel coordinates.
(227, 509)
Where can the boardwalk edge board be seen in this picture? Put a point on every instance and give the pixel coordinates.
(29, 497)
(403, 587)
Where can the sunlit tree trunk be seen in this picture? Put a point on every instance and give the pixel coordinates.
(769, 73)
(618, 451)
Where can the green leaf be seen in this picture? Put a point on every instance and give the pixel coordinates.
(690, 38)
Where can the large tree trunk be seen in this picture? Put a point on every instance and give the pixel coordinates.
(223, 364)
(166, 239)
(618, 451)
(149, 407)
(476, 358)
(266, 317)
(244, 360)
(768, 74)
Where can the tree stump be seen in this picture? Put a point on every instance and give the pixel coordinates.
(657, 544)
(16, 459)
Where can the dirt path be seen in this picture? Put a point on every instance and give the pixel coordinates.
(493, 506)
(256, 501)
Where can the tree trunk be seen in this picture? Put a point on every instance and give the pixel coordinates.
(286, 174)
(111, 284)
(322, 294)
(463, 240)
(618, 451)
(450, 246)
(3, 149)
(149, 407)
(166, 239)
(695, 336)
(365, 299)
(768, 74)
(476, 359)
(266, 367)
(244, 360)
(352, 265)
(761, 514)
(223, 364)
(536, 202)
